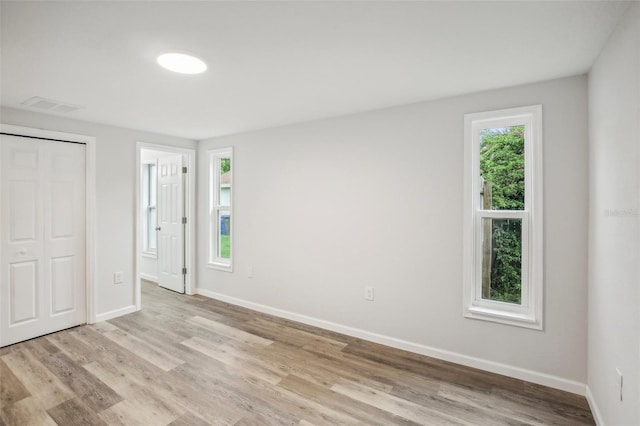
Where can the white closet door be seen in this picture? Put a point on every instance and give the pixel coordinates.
(170, 227)
(42, 234)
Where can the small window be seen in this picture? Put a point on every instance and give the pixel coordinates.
(221, 208)
(149, 196)
(503, 216)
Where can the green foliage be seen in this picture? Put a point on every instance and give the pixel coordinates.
(225, 246)
(502, 164)
(507, 262)
(225, 165)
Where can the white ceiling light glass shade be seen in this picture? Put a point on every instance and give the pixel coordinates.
(182, 63)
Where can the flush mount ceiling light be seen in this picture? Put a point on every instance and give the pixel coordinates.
(182, 63)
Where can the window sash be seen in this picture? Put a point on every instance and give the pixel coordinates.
(220, 214)
(523, 216)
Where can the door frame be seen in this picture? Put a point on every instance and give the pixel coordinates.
(90, 204)
(190, 210)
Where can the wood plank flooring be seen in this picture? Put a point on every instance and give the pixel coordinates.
(189, 360)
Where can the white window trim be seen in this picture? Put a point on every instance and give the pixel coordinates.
(529, 313)
(146, 252)
(216, 262)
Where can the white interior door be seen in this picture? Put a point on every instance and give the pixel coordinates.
(42, 233)
(170, 227)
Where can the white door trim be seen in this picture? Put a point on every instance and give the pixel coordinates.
(90, 152)
(190, 210)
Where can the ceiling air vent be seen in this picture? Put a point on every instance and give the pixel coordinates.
(51, 105)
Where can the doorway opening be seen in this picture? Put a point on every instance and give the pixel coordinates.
(165, 218)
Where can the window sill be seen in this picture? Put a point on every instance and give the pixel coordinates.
(517, 319)
(220, 266)
(149, 255)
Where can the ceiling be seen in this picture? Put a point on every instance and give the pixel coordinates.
(275, 63)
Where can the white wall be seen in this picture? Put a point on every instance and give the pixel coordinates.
(116, 177)
(325, 208)
(149, 267)
(614, 226)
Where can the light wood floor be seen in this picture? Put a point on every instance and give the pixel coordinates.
(189, 360)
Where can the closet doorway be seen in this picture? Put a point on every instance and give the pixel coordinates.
(45, 277)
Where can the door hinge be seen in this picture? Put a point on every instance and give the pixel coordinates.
(184, 220)
(184, 169)
(184, 271)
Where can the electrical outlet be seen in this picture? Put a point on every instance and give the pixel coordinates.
(368, 293)
(117, 277)
(620, 382)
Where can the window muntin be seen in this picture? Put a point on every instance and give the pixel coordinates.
(503, 225)
(221, 208)
(149, 197)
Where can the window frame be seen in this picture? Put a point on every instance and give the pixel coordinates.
(147, 208)
(529, 313)
(215, 208)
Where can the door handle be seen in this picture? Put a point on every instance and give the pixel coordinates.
(158, 229)
(23, 251)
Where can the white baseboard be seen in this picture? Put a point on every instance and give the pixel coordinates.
(148, 277)
(594, 407)
(116, 313)
(469, 361)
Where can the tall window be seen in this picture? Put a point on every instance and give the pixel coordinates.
(503, 216)
(149, 181)
(221, 208)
